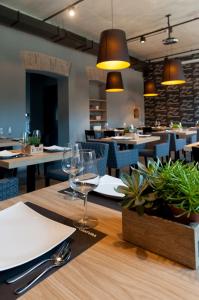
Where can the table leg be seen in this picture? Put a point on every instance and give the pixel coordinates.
(30, 180)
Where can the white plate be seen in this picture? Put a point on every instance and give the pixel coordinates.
(6, 153)
(107, 186)
(55, 148)
(25, 235)
(122, 138)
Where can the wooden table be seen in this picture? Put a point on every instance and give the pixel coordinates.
(188, 147)
(8, 143)
(137, 141)
(181, 133)
(112, 268)
(30, 162)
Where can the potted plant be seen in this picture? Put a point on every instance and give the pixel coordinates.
(146, 219)
(33, 145)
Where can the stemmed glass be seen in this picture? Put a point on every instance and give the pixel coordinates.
(86, 180)
(37, 134)
(69, 161)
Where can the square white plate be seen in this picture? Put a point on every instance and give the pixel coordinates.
(6, 153)
(55, 148)
(25, 235)
(107, 186)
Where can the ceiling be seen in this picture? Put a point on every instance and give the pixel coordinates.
(134, 17)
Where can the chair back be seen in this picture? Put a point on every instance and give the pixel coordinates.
(195, 154)
(176, 144)
(9, 187)
(197, 135)
(89, 135)
(147, 130)
(163, 149)
(101, 151)
(109, 133)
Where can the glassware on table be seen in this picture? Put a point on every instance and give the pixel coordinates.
(171, 124)
(24, 141)
(86, 180)
(69, 161)
(9, 131)
(1, 132)
(37, 134)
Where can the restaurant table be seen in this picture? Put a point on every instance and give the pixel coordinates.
(188, 147)
(112, 268)
(30, 161)
(137, 141)
(8, 143)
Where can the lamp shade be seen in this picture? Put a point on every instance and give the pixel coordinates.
(173, 72)
(114, 82)
(113, 51)
(150, 89)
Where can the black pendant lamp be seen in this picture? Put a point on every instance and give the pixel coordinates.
(113, 51)
(114, 82)
(150, 89)
(173, 72)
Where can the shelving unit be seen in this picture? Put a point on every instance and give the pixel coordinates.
(97, 103)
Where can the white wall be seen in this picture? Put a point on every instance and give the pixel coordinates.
(12, 84)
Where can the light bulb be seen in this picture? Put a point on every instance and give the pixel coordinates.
(71, 12)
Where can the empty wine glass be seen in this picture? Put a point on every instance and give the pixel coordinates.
(86, 180)
(69, 161)
(37, 134)
(9, 131)
(24, 141)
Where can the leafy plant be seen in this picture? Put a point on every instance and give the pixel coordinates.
(138, 192)
(34, 140)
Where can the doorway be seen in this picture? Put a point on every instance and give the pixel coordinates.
(42, 106)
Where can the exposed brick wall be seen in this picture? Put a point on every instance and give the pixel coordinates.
(174, 103)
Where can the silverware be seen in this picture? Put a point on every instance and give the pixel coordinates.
(58, 262)
(56, 256)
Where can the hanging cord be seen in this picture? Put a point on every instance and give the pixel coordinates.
(112, 13)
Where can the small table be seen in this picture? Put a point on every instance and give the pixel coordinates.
(30, 161)
(138, 141)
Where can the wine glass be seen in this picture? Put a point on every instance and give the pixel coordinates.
(9, 131)
(69, 161)
(37, 134)
(86, 180)
(24, 141)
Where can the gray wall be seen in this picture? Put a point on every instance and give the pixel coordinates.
(120, 105)
(13, 84)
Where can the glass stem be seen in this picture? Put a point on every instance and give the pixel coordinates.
(85, 206)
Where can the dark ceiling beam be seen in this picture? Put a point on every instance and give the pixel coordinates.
(62, 10)
(55, 34)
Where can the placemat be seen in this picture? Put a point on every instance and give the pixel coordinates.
(82, 240)
(97, 198)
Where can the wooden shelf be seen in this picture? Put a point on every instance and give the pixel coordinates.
(98, 121)
(94, 110)
(98, 100)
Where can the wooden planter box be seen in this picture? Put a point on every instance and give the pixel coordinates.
(31, 149)
(172, 240)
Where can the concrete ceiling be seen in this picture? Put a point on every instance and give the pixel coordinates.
(134, 17)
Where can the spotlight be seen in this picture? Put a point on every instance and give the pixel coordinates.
(142, 39)
(71, 12)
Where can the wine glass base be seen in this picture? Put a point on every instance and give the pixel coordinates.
(86, 223)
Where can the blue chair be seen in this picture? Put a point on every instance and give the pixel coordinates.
(92, 134)
(159, 151)
(54, 171)
(9, 187)
(118, 159)
(177, 145)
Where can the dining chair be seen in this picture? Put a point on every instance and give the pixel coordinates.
(118, 159)
(9, 187)
(54, 171)
(176, 145)
(92, 134)
(159, 151)
(109, 133)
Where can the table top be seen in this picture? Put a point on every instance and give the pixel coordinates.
(137, 141)
(8, 143)
(180, 132)
(30, 160)
(112, 268)
(188, 147)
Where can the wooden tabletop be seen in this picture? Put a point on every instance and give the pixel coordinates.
(30, 160)
(188, 147)
(181, 133)
(8, 143)
(112, 268)
(137, 141)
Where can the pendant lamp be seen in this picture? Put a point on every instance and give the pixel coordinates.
(173, 72)
(150, 89)
(114, 82)
(113, 51)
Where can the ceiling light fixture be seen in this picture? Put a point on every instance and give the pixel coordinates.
(71, 12)
(114, 82)
(150, 89)
(142, 39)
(173, 72)
(113, 51)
